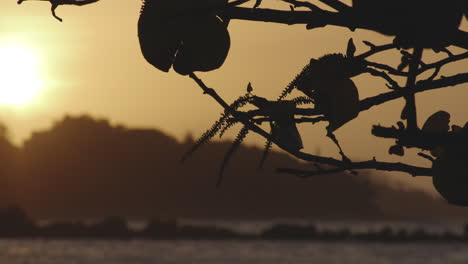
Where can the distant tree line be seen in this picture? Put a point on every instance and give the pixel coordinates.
(14, 223)
(83, 167)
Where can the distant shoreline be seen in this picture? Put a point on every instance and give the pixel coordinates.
(16, 224)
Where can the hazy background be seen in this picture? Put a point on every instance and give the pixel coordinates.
(92, 64)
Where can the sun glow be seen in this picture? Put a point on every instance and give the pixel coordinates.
(20, 80)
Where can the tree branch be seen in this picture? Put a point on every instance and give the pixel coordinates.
(343, 19)
(417, 88)
(441, 63)
(341, 165)
(371, 164)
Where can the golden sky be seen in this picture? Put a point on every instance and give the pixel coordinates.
(91, 63)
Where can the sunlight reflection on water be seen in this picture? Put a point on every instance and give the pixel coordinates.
(207, 252)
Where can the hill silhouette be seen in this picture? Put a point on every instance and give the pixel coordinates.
(84, 167)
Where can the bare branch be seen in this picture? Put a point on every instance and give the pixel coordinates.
(393, 84)
(443, 62)
(375, 49)
(387, 68)
(419, 87)
(371, 164)
(309, 5)
(297, 120)
(409, 110)
(420, 139)
(342, 19)
(237, 2)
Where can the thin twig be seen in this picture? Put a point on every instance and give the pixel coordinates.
(297, 120)
(375, 49)
(393, 84)
(309, 5)
(409, 110)
(371, 164)
(387, 68)
(443, 62)
(419, 87)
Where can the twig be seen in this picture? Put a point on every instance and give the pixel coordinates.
(441, 63)
(337, 5)
(371, 164)
(387, 68)
(375, 49)
(297, 120)
(431, 159)
(237, 2)
(344, 165)
(309, 5)
(393, 84)
(342, 19)
(409, 110)
(419, 87)
(420, 139)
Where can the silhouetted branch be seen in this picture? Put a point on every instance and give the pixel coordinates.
(56, 3)
(443, 62)
(374, 49)
(297, 120)
(323, 18)
(337, 5)
(409, 111)
(371, 164)
(238, 2)
(417, 88)
(370, 102)
(393, 84)
(387, 68)
(309, 5)
(420, 139)
(341, 164)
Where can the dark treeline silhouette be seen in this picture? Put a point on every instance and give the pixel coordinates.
(14, 223)
(85, 168)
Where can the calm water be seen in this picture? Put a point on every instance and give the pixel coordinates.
(207, 252)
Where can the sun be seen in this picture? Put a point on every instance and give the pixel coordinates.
(20, 80)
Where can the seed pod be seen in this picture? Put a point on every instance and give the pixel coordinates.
(451, 178)
(327, 82)
(183, 33)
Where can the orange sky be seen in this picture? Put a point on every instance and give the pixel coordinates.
(92, 64)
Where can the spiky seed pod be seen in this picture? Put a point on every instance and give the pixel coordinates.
(185, 34)
(327, 82)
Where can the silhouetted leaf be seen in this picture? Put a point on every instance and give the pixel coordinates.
(396, 150)
(351, 49)
(172, 33)
(249, 88)
(437, 122)
(204, 47)
(450, 178)
(283, 126)
(327, 82)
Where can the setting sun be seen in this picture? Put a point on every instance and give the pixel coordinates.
(20, 80)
